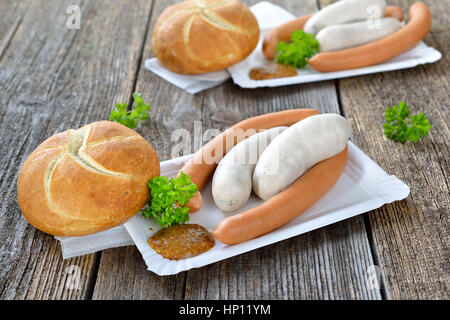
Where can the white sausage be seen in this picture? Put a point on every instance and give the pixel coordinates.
(345, 11)
(297, 149)
(232, 181)
(350, 35)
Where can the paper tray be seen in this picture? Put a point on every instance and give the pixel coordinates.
(363, 186)
(267, 13)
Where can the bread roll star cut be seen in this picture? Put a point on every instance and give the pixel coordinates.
(83, 181)
(200, 36)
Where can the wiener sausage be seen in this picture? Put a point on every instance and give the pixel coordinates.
(297, 149)
(232, 180)
(204, 161)
(381, 50)
(345, 11)
(343, 36)
(285, 206)
(284, 31)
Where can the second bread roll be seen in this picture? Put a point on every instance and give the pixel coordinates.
(202, 36)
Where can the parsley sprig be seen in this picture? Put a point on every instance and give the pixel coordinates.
(168, 198)
(399, 127)
(130, 118)
(302, 46)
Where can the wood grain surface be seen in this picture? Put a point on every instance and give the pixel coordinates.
(410, 237)
(53, 78)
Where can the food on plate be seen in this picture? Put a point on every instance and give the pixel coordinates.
(204, 161)
(168, 199)
(283, 32)
(343, 36)
(130, 118)
(297, 149)
(381, 50)
(297, 52)
(87, 180)
(232, 180)
(181, 241)
(195, 37)
(285, 206)
(345, 11)
(272, 70)
(399, 127)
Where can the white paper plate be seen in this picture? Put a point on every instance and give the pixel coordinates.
(270, 16)
(363, 186)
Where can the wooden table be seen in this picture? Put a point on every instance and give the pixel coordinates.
(53, 78)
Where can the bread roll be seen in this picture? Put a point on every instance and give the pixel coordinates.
(83, 181)
(202, 36)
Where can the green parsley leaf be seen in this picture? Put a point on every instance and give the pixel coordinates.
(302, 46)
(168, 198)
(130, 118)
(399, 127)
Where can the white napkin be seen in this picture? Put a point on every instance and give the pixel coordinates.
(78, 246)
(190, 83)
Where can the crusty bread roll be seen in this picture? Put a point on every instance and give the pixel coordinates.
(83, 181)
(199, 36)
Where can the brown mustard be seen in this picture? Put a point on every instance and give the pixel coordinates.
(272, 70)
(182, 241)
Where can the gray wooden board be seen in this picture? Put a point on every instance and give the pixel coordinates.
(410, 237)
(52, 79)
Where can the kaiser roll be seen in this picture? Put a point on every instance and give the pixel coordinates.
(199, 36)
(83, 181)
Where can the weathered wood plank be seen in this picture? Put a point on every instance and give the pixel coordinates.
(327, 263)
(410, 237)
(12, 15)
(52, 79)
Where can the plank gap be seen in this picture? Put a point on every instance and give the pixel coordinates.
(374, 254)
(183, 286)
(94, 273)
(318, 5)
(366, 222)
(339, 100)
(141, 54)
